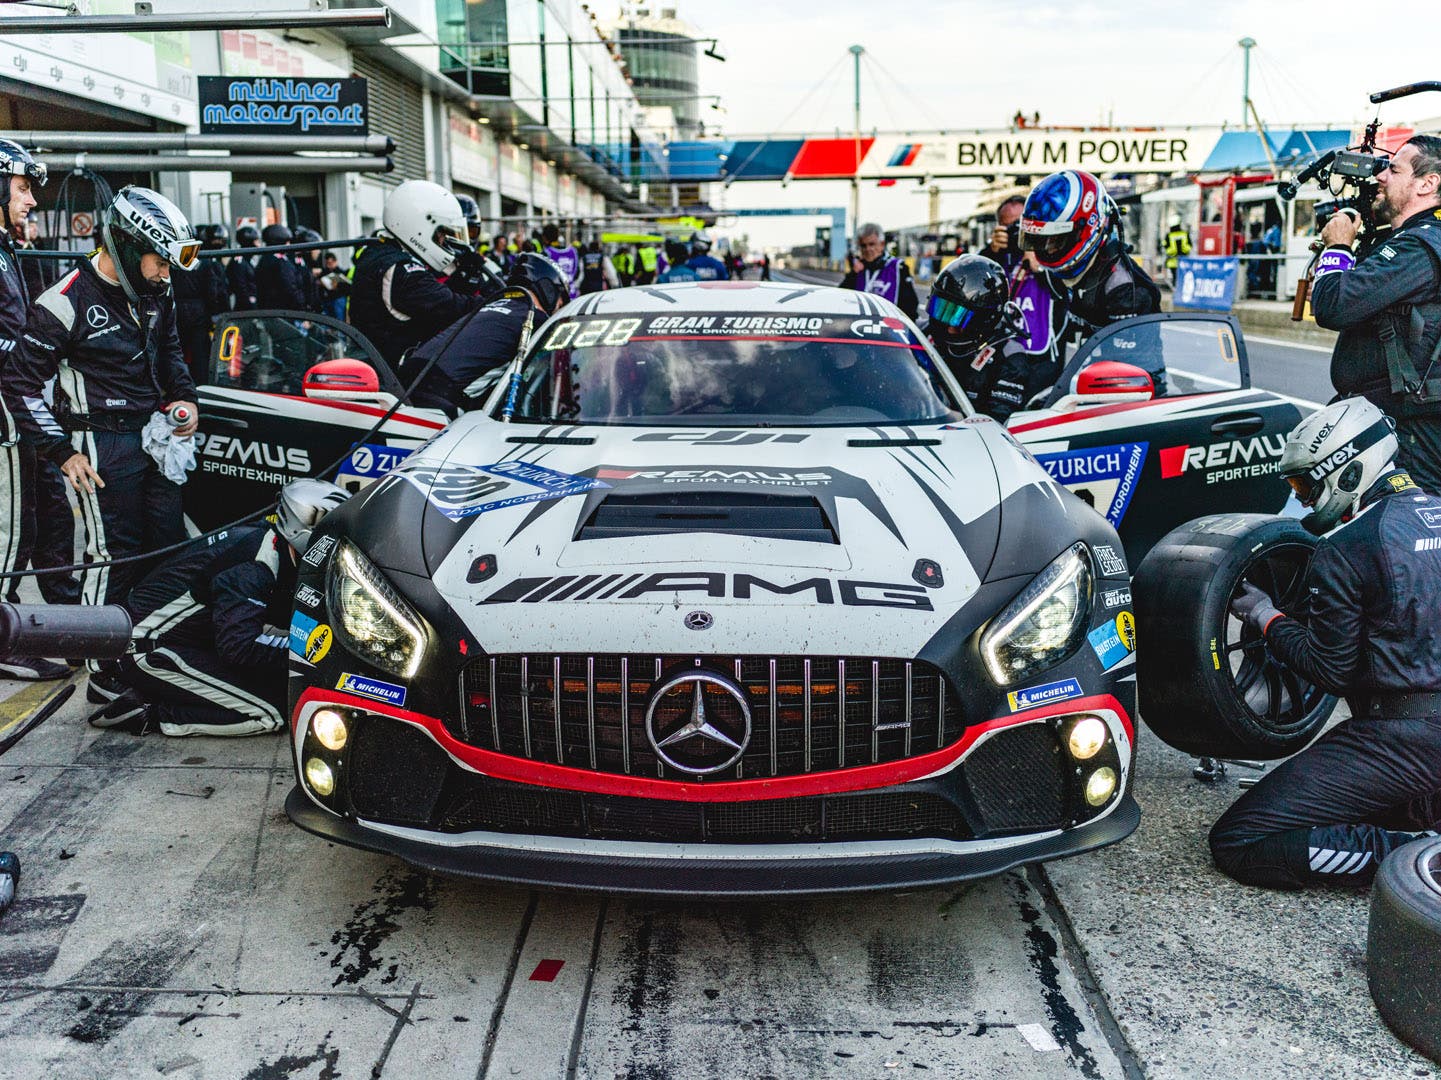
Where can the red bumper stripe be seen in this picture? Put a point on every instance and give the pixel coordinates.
(861, 778)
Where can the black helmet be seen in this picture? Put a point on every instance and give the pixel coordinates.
(275, 235)
(139, 222)
(247, 236)
(968, 305)
(470, 209)
(542, 278)
(304, 234)
(214, 236)
(15, 160)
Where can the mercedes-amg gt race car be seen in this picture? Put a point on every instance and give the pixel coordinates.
(725, 591)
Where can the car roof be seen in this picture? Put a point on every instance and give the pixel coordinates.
(780, 297)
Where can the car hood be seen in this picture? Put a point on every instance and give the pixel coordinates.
(840, 541)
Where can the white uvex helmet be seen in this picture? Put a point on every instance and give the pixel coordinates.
(428, 222)
(1332, 458)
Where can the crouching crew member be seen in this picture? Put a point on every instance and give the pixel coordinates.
(1334, 811)
(106, 334)
(211, 643)
(536, 289)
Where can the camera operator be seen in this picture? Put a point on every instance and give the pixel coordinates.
(1039, 299)
(1333, 812)
(1387, 305)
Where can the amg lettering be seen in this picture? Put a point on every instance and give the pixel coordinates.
(710, 584)
(891, 596)
(744, 583)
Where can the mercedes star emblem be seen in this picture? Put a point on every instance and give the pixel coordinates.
(699, 620)
(698, 722)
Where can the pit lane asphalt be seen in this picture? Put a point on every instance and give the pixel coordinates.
(172, 923)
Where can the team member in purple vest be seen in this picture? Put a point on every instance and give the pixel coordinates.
(563, 255)
(876, 272)
(1041, 301)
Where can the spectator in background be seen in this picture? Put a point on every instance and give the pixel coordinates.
(874, 270)
(280, 284)
(1259, 269)
(624, 262)
(334, 287)
(240, 274)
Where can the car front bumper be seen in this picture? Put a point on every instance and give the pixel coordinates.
(705, 870)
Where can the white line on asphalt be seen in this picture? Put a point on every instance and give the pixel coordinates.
(1288, 344)
(1041, 1040)
(1302, 402)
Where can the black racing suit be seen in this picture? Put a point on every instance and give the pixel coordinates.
(240, 276)
(36, 525)
(1116, 288)
(397, 303)
(488, 340)
(281, 284)
(192, 315)
(114, 365)
(211, 651)
(1398, 278)
(1335, 810)
(997, 379)
(1042, 301)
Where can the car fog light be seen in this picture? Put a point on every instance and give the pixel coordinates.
(322, 780)
(1099, 787)
(329, 728)
(1087, 738)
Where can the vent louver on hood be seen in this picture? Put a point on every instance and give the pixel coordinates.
(768, 516)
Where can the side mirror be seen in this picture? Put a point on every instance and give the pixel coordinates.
(1106, 382)
(345, 380)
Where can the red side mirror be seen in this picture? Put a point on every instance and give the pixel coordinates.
(344, 378)
(1110, 377)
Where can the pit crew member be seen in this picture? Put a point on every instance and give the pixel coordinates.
(487, 340)
(875, 271)
(397, 299)
(106, 333)
(211, 654)
(1333, 812)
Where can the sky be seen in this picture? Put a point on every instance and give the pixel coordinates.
(965, 64)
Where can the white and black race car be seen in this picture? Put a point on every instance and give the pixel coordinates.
(724, 592)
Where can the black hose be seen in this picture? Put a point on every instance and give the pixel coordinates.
(145, 556)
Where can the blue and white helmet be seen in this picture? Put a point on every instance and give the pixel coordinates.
(1068, 217)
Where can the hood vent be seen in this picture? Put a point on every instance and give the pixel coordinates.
(769, 516)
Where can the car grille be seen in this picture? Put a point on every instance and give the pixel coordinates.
(808, 714)
(1018, 781)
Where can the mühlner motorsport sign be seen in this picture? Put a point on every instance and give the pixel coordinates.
(1040, 151)
(283, 106)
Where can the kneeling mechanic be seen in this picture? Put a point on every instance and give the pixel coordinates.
(211, 650)
(1333, 812)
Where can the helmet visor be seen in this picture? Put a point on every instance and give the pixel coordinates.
(1051, 248)
(948, 312)
(1305, 488)
(37, 173)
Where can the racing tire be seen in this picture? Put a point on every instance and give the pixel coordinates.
(1403, 945)
(1206, 683)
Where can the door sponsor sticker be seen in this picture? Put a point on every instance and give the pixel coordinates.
(371, 460)
(301, 627)
(1108, 474)
(1114, 598)
(1045, 694)
(1112, 564)
(365, 686)
(1219, 463)
(1114, 641)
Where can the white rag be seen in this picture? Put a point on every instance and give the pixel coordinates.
(175, 456)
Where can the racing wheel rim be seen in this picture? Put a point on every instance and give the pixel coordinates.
(1278, 699)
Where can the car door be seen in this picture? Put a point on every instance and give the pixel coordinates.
(259, 431)
(1207, 443)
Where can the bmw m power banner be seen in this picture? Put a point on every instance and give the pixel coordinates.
(1105, 476)
(1206, 282)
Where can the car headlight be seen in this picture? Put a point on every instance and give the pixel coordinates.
(371, 619)
(1043, 624)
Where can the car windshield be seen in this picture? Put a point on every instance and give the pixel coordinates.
(750, 369)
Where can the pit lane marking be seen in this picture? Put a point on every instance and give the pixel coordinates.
(1302, 402)
(21, 705)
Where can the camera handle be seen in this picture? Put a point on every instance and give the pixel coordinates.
(1404, 91)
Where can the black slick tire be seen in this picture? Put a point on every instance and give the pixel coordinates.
(1205, 683)
(1403, 944)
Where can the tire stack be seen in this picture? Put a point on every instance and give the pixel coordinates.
(1403, 945)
